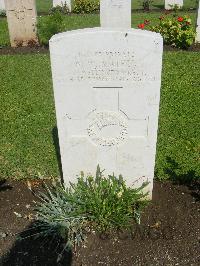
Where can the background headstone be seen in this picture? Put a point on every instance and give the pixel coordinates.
(62, 2)
(107, 89)
(2, 5)
(169, 4)
(115, 13)
(197, 39)
(21, 17)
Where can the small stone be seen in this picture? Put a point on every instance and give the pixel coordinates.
(18, 215)
(3, 235)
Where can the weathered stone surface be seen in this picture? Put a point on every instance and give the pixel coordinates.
(2, 5)
(197, 39)
(21, 17)
(62, 2)
(107, 90)
(115, 13)
(169, 4)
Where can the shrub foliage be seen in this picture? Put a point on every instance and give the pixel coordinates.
(86, 6)
(176, 31)
(53, 23)
(98, 203)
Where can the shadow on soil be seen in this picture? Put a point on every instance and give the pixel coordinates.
(28, 250)
(190, 179)
(4, 186)
(57, 149)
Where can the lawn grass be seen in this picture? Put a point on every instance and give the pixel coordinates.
(91, 20)
(28, 117)
(43, 6)
(178, 147)
(4, 34)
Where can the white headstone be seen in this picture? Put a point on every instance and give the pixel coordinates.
(107, 90)
(169, 4)
(62, 3)
(115, 13)
(2, 5)
(197, 39)
(21, 17)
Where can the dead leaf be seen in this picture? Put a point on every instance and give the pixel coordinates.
(156, 225)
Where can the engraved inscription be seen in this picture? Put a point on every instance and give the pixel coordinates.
(105, 66)
(108, 128)
(118, 3)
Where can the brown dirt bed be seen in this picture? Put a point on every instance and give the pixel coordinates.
(169, 233)
(42, 49)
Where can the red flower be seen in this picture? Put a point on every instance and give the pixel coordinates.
(146, 22)
(180, 19)
(141, 26)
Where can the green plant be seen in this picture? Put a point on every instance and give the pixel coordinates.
(109, 203)
(96, 203)
(86, 6)
(58, 214)
(176, 31)
(64, 9)
(42, 6)
(49, 26)
(146, 4)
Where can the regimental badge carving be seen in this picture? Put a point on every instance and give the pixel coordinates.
(107, 128)
(20, 12)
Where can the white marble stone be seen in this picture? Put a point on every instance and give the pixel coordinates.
(21, 17)
(197, 39)
(107, 90)
(169, 4)
(115, 13)
(2, 5)
(62, 2)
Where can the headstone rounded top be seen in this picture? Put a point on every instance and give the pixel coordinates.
(99, 30)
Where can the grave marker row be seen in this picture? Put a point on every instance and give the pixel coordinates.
(107, 89)
(169, 4)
